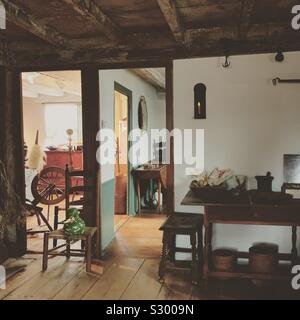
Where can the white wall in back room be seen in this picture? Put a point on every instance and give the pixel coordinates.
(156, 104)
(250, 125)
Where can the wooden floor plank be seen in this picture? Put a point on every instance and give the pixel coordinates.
(45, 285)
(145, 284)
(115, 280)
(130, 272)
(19, 279)
(77, 287)
(177, 286)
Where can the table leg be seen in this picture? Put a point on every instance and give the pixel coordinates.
(138, 186)
(89, 254)
(159, 196)
(195, 269)
(294, 245)
(200, 249)
(207, 251)
(163, 261)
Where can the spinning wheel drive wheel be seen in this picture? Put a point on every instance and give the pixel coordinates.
(48, 187)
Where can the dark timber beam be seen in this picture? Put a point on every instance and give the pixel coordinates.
(205, 42)
(169, 10)
(27, 22)
(90, 121)
(4, 56)
(13, 238)
(246, 14)
(90, 10)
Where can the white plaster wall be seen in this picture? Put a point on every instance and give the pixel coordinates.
(34, 115)
(250, 125)
(155, 103)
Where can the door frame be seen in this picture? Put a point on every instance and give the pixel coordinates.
(130, 202)
(169, 66)
(92, 89)
(90, 101)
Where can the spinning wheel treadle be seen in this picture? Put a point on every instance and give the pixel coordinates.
(49, 186)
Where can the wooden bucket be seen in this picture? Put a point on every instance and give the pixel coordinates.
(263, 258)
(224, 260)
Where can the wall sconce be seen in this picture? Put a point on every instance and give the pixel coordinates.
(200, 101)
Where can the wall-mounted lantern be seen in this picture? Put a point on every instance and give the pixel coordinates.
(200, 101)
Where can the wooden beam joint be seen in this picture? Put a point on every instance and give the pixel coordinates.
(90, 10)
(27, 22)
(170, 12)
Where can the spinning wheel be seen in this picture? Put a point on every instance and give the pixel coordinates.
(48, 187)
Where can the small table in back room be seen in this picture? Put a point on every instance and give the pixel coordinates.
(140, 175)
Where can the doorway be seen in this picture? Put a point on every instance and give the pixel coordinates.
(122, 109)
(53, 138)
(147, 90)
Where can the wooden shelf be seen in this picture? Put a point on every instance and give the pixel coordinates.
(242, 272)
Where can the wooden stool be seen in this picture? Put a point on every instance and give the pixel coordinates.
(68, 252)
(182, 224)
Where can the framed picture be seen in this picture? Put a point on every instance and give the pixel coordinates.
(200, 101)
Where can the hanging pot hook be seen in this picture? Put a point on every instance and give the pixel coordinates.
(227, 63)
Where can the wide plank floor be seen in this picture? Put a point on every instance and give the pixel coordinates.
(130, 273)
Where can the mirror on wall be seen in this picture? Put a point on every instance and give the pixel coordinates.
(143, 114)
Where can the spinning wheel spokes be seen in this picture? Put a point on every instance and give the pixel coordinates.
(49, 186)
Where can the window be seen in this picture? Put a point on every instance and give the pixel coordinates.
(59, 117)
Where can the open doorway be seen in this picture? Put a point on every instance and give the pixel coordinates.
(52, 122)
(122, 109)
(132, 102)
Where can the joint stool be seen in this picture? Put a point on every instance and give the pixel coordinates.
(182, 224)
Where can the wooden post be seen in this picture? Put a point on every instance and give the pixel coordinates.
(91, 120)
(170, 127)
(12, 149)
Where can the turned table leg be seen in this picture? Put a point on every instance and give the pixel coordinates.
(207, 251)
(195, 266)
(162, 265)
(294, 245)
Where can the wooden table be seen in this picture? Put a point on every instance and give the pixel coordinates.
(60, 158)
(141, 175)
(239, 213)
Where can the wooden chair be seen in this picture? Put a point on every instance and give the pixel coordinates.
(182, 224)
(70, 191)
(86, 238)
(68, 251)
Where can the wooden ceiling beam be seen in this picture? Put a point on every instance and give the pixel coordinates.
(40, 59)
(27, 22)
(170, 12)
(90, 10)
(152, 76)
(163, 40)
(246, 15)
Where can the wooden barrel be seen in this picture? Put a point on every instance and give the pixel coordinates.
(263, 258)
(224, 260)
